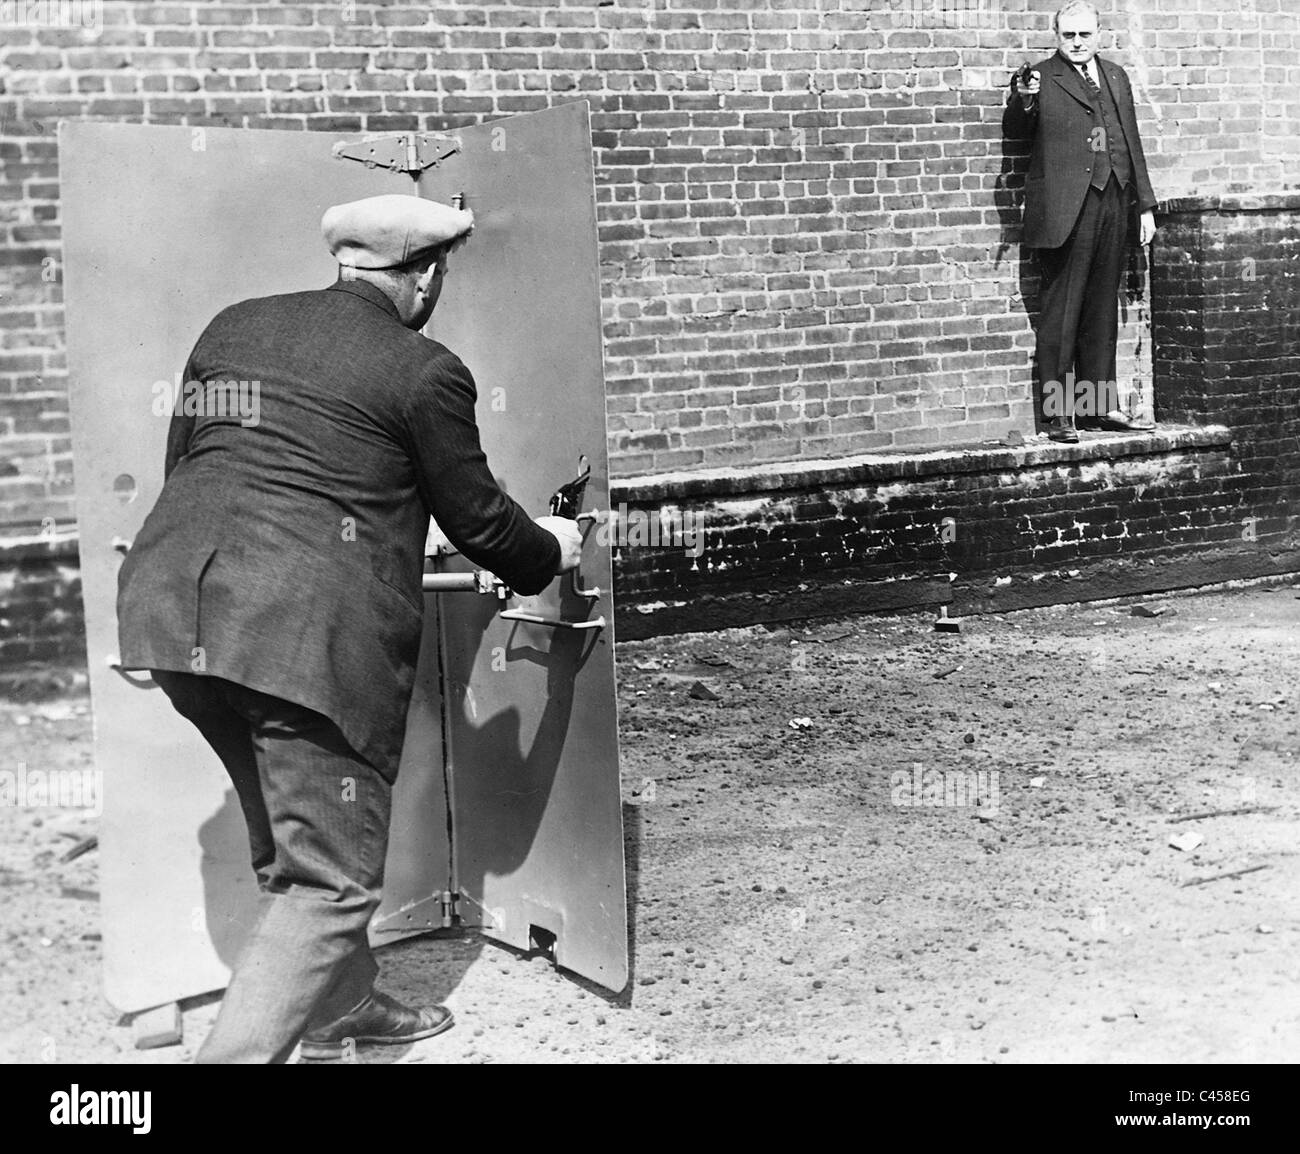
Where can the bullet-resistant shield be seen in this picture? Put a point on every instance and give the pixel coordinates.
(506, 812)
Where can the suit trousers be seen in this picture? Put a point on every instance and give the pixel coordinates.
(1078, 323)
(317, 816)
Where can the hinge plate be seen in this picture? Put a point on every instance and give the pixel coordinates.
(409, 152)
(436, 912)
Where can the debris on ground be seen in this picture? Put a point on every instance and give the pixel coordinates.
(84, 845)
(1226, 877)
(1241, 809)
(702, 692)
(1186, 841)
(945, 624)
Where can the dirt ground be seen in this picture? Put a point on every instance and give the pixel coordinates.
(787, 907)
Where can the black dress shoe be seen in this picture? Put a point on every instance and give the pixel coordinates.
(1062, 429)
(1120, 422)
(378, 1021)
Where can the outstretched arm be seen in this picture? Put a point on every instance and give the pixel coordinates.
(459, 490)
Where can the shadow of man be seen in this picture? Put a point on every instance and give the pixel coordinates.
(1008, 198)
(519, 773)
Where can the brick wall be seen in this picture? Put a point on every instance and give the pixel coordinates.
(40, 601)
(808, 214)
(1226, 287)
(1213, 496)
(976, 531)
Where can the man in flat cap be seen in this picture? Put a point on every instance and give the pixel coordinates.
(275, 592)
(1087, 175)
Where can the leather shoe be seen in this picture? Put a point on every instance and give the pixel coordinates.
(377, 1021)
(1062, 429)
(1121, 422)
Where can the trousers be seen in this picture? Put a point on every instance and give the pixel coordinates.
(317, 815)
(1078, 324)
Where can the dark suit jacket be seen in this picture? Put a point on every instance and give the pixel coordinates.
(291, 552)
(1061, 123)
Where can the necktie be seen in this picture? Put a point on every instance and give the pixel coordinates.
(1087, 76)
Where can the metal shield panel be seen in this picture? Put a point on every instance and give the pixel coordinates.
(532, 739)
(162, 228)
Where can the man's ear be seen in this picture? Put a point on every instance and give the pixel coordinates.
(425, 280)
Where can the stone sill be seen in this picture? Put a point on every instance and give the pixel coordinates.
(1231, 202)
(867, 468)
(775, 476)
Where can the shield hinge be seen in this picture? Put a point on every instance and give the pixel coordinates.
(449, 910)
(409, 152)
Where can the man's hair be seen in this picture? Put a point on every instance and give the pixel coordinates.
(1072, 6)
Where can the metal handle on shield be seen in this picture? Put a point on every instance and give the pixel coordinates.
(115, 663)
(553, 622)
(566, 498)
(476, 581)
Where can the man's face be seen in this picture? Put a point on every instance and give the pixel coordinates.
(1076, 37)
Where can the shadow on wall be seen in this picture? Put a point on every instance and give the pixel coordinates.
(1009, 198)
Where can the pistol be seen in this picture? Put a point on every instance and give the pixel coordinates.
(567, 499)
(1024, 74)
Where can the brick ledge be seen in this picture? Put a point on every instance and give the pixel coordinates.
(1232, 202)
(26, 546)
(782, 475)
(867, 467)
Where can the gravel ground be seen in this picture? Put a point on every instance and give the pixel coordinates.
(802, 887)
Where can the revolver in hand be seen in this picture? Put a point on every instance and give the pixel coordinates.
(567, 499)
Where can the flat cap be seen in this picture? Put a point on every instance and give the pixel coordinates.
(387, 231)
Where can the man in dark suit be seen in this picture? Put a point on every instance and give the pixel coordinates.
(1087, 173)
(275, 592)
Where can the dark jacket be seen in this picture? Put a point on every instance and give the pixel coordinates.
(1061, 123)
(287, 556)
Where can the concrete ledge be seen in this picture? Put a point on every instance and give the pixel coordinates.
(1231, 202)
(874, 467)
(28, 547)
